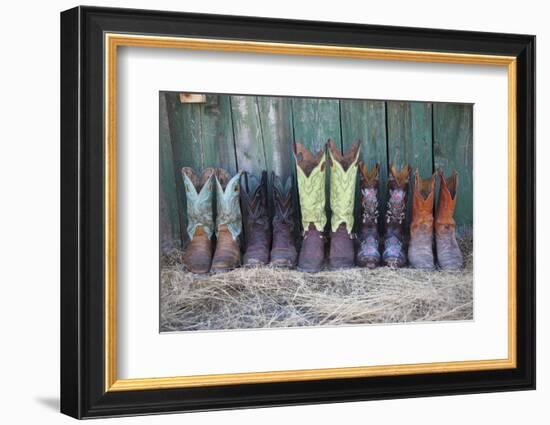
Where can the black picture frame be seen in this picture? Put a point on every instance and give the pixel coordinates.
(82, 212)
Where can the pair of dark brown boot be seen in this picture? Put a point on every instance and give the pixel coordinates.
(261, 247)
(423, 225)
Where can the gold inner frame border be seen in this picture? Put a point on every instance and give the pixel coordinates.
(113, 40)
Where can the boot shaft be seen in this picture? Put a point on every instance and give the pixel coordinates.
(254, 203)
(227, 202)
(282, 202)
(199, 191)
(423, 202)
(369, 197)
(396, 211)
(311, 175)
(447, 199)
(343, 177)
(283, 217)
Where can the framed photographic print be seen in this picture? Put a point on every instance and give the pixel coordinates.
(261, 212)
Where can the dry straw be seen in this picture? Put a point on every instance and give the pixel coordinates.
(271, 298)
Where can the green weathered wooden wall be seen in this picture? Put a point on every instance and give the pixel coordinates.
(255, 133)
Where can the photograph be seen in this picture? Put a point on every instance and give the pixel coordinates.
(281, 212)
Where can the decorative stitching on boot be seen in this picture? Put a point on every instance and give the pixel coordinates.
(311, 191)
(199, 206)
(342, 193)
(228, 208)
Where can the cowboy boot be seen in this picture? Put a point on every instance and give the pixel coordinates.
(227, 255)
(449, 256)
(311, 175)
(368, 254)
(257, 231)
(394, 240)
(343, 176)
(421, 255)
(283, 250)
(200, 222)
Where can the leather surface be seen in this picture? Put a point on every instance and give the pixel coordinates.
(257, 227)
(395, 220)
(420, 253)
(283, 249)
(449, 256)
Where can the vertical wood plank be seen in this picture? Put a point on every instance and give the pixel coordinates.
(170, 231)
(217, 134)
(366, 120)
(276, 122)
(249, 146)
(410, 135)
(453, 150)
(315, 121)
(410, 138)
(184, 124)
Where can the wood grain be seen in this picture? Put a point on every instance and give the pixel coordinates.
(453, 150)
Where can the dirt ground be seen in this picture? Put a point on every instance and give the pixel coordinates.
(266, 297)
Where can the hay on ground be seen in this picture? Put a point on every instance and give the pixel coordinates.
(266, 297)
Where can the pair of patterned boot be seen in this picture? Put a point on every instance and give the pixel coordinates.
(261, 247)
(423, 225)
(199, 192)
(393, 254)
(311, 174)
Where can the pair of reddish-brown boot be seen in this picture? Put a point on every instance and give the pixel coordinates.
(424, 224)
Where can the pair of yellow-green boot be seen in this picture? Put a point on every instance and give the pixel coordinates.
(311, 172)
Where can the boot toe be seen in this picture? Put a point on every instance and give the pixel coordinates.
(223, 265)
(395, 262)
(196, 265)
(310, 266)
(421, 263)
(254, 262)
(338, 263)
(370, 262)
(282, 259)
(451, 266)
(256, 257)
